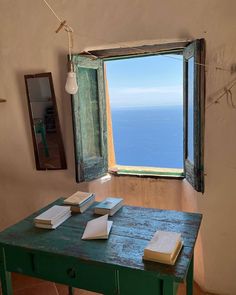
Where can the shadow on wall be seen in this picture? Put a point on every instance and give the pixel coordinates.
(190, 204)
(138, 191)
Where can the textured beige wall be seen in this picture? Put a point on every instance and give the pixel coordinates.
(28, 45)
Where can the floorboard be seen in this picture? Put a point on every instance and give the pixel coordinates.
(23, 285)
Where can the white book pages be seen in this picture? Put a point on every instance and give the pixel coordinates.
(163, 242)
(98, 228)
(52, 214)
(53, 226)
(84, 207)
(77, 198)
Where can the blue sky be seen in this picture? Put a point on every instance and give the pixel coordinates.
(146, 81)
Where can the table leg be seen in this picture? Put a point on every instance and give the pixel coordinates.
(189, 280)
(71, 290)
(5, 275)
(168, 287)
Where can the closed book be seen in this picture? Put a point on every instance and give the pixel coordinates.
(84, 207)
(53, 226)
(164, 247)
(108, 206)
(52, 215)
(78, 198)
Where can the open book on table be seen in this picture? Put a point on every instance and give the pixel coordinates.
(98, 228)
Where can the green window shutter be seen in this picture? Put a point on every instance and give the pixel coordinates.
(194, 101)
(89, 119)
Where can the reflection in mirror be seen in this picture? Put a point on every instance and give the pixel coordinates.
(48, 145)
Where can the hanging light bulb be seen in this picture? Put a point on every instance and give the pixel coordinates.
(71, 86)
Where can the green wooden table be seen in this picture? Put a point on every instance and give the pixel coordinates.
(110, 267)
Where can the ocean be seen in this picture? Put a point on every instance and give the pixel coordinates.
(148, 136)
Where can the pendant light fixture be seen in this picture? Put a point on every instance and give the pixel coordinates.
(71, 86)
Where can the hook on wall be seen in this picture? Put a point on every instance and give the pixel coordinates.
(220, 94)
(229, 98)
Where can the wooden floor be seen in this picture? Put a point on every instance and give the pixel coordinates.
(23, 285)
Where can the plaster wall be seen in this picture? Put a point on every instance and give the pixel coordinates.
(29, 45)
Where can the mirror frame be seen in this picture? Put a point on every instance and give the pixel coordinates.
(58, 128)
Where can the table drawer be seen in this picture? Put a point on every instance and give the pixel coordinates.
(70, 271)
(139, 283)
(18, 260)
(61, 269)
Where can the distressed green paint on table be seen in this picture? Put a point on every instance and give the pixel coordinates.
(112, 266)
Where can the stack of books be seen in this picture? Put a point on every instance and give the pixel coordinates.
(108, 206)
(53, 217)
(164, 247)
(80, 201)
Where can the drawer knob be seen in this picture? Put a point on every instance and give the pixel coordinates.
(71, 273)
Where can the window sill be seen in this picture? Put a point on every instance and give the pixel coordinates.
(120, 170)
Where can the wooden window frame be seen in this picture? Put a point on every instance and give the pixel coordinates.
(196, 176)
(194, 171)
(89, 164)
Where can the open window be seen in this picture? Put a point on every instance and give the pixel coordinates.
(91, 112)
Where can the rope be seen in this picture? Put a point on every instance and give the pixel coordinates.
(52, 11)
(66, 27)
(69, 31)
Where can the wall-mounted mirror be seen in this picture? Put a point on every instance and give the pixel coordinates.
(46, 132)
